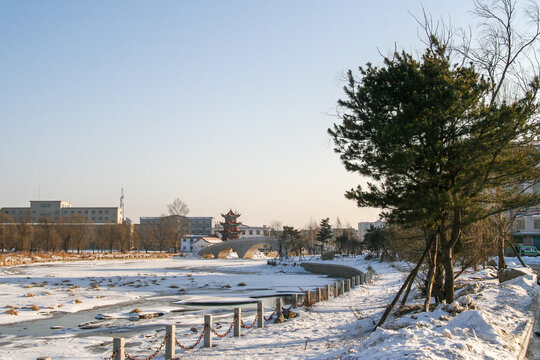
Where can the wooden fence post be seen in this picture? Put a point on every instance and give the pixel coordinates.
(279, 304)
(353, 282)
(237, 321)
(260, 314)
(348, 285)
(208, 334)
(342, 287)
(307, 298)
(327, 292)
(319, 294)
(118, 347)
(336, 290)
(169, 345)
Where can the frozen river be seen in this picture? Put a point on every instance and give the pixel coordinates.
(54, 299)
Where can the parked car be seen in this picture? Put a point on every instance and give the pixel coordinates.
(529, 251)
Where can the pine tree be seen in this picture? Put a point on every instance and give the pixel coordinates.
(434, 146)
(324, 235)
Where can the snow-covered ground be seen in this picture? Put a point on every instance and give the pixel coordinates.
(338, 328)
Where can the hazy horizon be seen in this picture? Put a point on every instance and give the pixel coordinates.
(224, 105)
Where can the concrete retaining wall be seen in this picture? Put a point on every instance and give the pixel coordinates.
(332, 269)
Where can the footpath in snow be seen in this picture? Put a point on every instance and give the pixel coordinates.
(492, 329)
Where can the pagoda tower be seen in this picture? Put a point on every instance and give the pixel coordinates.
(230, 226)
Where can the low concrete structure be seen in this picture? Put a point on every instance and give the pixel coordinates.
(332, 269)
(245, 247)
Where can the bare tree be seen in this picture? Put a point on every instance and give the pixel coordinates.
(25, 233)
(505, 48)
(47, 234)
(177, 221)
(145, 236)
(81, 231)
(162, 232)
(310, 232)
(6, 232)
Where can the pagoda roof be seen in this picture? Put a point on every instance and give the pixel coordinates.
(231, 214)
(230, 224)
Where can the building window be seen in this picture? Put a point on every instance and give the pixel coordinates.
(93, 211)
(537, 223)
(258, 232)
(86, 211)
(520, 224)
(250, 232)
(99, 212)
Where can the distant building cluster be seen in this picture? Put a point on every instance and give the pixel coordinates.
(200, 231)
(57, 210)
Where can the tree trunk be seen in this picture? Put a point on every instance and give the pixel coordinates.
(406, 295)
(431, 275)
(448, 275)
(411, 277)
(518, 256)
(502, 262)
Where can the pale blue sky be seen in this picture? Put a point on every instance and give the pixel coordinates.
(224, 104)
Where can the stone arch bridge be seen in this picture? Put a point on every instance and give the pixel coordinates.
(244, 247)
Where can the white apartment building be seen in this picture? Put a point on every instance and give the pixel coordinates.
(192, 243)
(56, 209)
(246, 231)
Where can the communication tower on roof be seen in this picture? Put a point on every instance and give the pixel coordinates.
(122, 204)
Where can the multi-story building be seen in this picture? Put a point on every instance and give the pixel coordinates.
(58, 209)
(203, 225)
(526, 224)
(363, 227)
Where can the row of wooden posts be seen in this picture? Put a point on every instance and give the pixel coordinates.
(310, 297)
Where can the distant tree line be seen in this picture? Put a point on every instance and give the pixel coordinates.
(317, 239)
(76, 233)
(73, 233)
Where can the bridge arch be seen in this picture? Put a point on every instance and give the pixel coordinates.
(222, 254)
(248, 253)
(244, 247)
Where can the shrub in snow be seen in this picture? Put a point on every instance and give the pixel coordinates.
(470, 289)
(474, 321)
(509, 274)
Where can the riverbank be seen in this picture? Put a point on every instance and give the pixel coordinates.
(26, 258)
